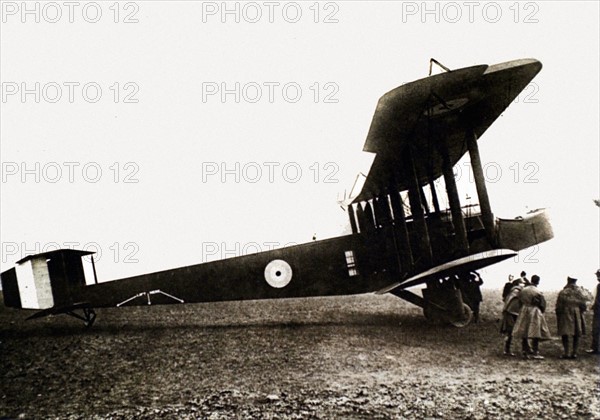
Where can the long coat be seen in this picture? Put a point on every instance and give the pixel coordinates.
(512, 306)
(531, 322)
(596, 305)
(571, 302)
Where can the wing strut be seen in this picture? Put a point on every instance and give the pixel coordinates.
(484, 201)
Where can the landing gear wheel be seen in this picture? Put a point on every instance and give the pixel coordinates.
(465, 320)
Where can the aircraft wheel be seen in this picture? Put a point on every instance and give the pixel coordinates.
(465, 320)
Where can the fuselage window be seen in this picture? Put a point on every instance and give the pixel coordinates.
(351, 263)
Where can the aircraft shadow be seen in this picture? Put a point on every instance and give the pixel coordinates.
(68, 327)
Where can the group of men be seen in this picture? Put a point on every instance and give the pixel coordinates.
(523, 316)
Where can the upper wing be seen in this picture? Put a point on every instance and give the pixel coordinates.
(436, 111)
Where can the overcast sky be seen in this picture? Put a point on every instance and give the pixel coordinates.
(170, 133)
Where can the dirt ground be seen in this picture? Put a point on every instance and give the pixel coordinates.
(345, 357)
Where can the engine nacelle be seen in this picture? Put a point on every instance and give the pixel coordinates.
(521, 233)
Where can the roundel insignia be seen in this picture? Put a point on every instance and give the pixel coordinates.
(278, 273)
(448, 106)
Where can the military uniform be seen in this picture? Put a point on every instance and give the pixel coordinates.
(472, 294)
(570, 304)
(596, 322)
(531, 323)
(510, 311)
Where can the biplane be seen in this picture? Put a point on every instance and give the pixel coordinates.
(401, 236)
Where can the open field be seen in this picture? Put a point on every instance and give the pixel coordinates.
(346, 357)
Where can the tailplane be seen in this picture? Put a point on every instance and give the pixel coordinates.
(45, 281)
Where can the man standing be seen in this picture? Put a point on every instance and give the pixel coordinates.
(509, 285)
(570, 304)
(524, 278)
(596, 320)
(472, 293)
(510, 311)
(531, 324)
